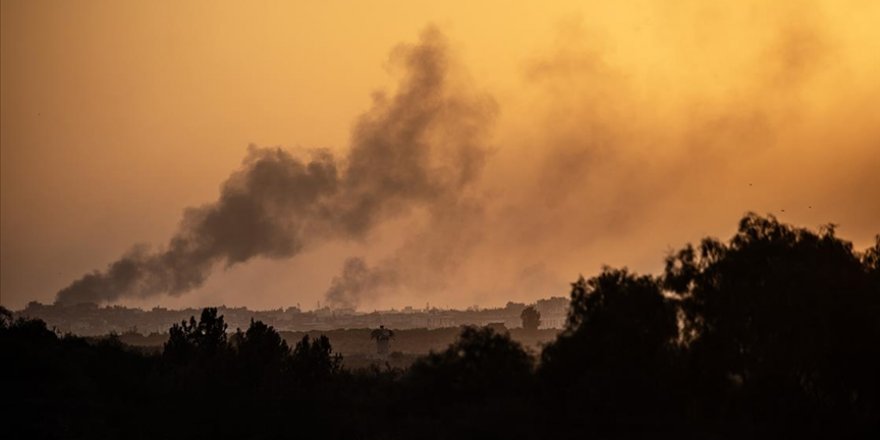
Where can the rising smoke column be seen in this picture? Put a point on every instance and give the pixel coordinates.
(427, 260)
(417, 148)
(267, 208)
(357, 281)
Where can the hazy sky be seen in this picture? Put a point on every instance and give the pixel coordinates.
(605, 133)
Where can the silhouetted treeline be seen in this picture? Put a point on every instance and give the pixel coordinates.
(774, 333)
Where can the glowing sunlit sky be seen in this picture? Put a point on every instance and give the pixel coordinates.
(621, 131)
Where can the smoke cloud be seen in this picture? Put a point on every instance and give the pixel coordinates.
(358, 282)
(419, 148)
(610, 162)
(616, 145)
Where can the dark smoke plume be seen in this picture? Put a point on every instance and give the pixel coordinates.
(358, 281)
(424, 262)
(420, 147)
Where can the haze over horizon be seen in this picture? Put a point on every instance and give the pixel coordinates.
(538, 142)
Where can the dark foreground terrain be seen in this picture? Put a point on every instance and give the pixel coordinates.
(773, 334)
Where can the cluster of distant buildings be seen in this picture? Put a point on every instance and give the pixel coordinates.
(92, 320)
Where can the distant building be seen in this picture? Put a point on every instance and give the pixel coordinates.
(383, 338)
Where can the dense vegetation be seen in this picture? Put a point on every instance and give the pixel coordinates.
(773, 333)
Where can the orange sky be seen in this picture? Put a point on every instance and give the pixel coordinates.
(622, 131)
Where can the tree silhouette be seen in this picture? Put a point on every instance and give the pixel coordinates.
(616, 318)
(615, 357)
(481, 361)
(871, 263)
(197, 340)
(261, 352)
(772, 333)
(531, 318)
(784, 315)
(314, 361)
(5, 318)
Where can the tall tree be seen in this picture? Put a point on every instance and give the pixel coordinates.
(203, 339)
(261, 352)
(615, 359)
(784, 314)
(313, 360)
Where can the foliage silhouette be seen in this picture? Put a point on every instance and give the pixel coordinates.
(531, 318)
(481, 361)
(477, 387)
(201, 340)
(617, 355)
(313, 360)
(773, 333)
(784, 318)
(5, 318)
(261, 354)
